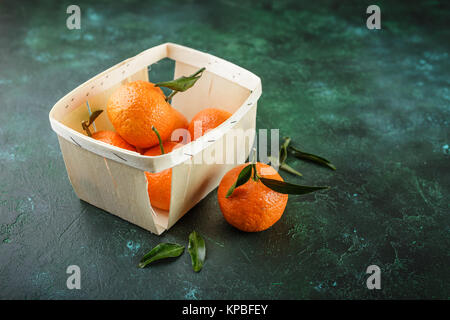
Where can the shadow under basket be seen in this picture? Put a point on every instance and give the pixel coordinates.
(113, 179)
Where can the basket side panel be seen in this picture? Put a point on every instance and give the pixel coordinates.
(210, 91)
(109, 185)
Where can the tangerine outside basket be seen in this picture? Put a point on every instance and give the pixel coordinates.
(113, 179)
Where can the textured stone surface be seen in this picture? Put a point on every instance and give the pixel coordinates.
(374, 102)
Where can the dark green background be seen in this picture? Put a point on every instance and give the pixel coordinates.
(375, 102)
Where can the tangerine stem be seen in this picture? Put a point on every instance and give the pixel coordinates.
(254, 155)
(255, 173)
(85, 126)
(171, 95)
(159, 139)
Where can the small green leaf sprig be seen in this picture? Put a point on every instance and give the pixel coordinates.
(249, 171)
(281, 161)
(311, 157)
(180, 84)
(196, 248)
(286, 149)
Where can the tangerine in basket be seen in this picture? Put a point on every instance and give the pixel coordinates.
(160, 183)
(209, 119)
(180, 122)
(137, 106)
(112, 138)
(252, 206)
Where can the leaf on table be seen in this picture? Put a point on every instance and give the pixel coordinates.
(197, 250)
(161, 251)
(289, 169)
(311, 157)
(289, 188)
(284, 166)
(283, 149)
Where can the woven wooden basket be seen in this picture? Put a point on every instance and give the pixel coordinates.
(112, 178)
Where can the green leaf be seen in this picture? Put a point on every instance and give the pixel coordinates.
(197, 250)
(283, 149)
(242, 178)
(289, 188)
(289, 169)
(311, 157)
(274, 161)
(183, 83)
(161, 251)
